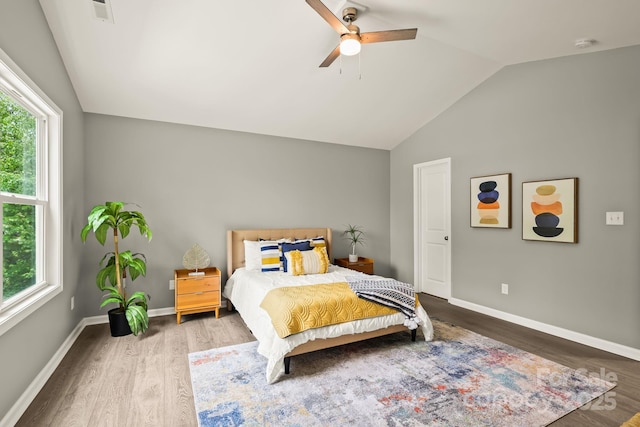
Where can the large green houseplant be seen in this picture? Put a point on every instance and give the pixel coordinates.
(117, 265)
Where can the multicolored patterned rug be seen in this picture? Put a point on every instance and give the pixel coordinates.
(633, 421)
(459, 379)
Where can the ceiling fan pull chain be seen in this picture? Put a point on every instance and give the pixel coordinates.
(360, 66)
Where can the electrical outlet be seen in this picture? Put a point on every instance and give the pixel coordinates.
(73, 303)
(615, 218)
(505, 289)
(172, 285)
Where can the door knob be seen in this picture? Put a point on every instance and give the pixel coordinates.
(446, 237)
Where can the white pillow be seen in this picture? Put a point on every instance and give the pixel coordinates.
(252, 255)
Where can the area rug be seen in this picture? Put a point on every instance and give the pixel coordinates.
(459, 379)
(633, 422)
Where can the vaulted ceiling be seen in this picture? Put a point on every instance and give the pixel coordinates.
(253, 65)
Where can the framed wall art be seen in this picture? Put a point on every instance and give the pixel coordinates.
(550, 210)
(491, 201)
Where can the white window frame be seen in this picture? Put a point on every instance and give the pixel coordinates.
(49, 276)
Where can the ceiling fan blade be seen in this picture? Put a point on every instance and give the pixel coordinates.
(328, 16)
(388, 36)
(332, 57)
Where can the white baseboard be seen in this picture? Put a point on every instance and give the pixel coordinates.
(155, 312)
(611, 347)
(97, 320)
(16, 411)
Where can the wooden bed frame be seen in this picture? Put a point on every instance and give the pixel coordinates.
(236, 259)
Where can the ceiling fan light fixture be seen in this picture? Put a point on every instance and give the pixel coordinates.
(350, 44)
(350, 36)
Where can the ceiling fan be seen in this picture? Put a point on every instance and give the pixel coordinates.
(350, 36)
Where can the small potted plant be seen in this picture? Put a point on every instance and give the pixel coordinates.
(355, 235)
(131, 314)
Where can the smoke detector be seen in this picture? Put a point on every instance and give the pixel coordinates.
(584, 43)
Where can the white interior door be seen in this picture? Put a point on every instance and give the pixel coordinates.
(432, 226)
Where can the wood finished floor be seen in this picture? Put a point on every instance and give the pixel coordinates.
(145, 381)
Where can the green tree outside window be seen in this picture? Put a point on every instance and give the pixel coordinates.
(18, 130)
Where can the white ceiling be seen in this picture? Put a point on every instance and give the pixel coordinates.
(252, 65)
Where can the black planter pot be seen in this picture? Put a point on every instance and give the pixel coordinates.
(118, 323)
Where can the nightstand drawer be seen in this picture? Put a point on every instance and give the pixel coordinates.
(204, 284)
(199, 299)
(364, 265)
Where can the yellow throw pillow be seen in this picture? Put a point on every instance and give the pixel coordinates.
(314, 261)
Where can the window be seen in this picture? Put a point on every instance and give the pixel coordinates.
(30, 190)
(21, 214)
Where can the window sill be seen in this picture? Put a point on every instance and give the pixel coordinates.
(15, 314)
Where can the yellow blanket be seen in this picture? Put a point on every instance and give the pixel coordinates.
(295, 309)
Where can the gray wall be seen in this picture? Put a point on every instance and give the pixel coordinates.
(195, 183)
(27, 347)
(576, 116)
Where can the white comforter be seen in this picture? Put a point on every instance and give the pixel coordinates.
(246, 289)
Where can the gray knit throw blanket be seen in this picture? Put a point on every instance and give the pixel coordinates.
(389, 292)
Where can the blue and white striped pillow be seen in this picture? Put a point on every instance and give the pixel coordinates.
(315, 241)
(271, 254)
(318, 242)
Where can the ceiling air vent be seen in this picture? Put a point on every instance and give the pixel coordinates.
(102, 10)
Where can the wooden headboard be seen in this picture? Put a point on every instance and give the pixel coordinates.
(236, 238)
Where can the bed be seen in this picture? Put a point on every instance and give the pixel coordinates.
(247, 287)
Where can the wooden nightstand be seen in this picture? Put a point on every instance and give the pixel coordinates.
(197, 294)
(365, 265)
